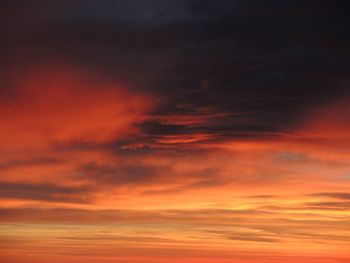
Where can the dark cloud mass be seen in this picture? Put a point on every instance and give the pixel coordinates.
(261, 65)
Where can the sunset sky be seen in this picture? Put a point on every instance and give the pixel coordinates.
(174, 131)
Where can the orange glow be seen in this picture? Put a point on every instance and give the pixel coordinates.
(70, 190)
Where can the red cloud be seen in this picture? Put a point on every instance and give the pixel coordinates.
(57, 104)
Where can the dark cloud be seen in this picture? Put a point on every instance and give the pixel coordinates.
(121, 175)
(328, 205)
(45, 192)
(157, 128)
(254, 238)
(164, 177)
(30, 162)
(336, 195)
(198, 184)
(262, 64)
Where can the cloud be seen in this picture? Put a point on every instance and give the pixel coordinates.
(262, 74)
(58, 103)
(13, 164)
(45, 192)
(328, 205)
(143, 117)
(133, 174)
(122, 216)
(244, 237)
(342, 196)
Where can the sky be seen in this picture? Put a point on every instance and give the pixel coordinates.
(178, 131)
